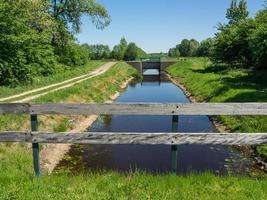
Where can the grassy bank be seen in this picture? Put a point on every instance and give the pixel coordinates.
(220, 84)
(110, 185)
(67, 73)
(97, 89)
(16, 171)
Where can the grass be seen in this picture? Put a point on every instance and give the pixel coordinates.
(112, 185)
(220, 84)
(44, 81)
(97, 89)
(16, 171)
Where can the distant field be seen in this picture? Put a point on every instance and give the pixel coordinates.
(220, 84)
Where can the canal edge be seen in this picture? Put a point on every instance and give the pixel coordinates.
(52, 154)
(260, 161)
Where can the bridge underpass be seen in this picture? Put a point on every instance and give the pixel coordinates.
(146, 65)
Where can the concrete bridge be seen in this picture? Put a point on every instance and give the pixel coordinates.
(145, 65)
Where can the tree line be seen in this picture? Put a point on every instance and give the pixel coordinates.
(122, 51)
(37, 38)
(242, 42)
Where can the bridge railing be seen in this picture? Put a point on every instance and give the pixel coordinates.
(168, 109)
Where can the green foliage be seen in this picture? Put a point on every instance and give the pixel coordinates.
(119, 50)
(211, 83)
(25, 41)
(258, 42)
(73, 55)
(133, 52)
(242, 43)
(187, 48)
(99, 51)
(205, 48)
(34, 40)
(69, 12)
(236, 12)
(174, 52)
(232, 44)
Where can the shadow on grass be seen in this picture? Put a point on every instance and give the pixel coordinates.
(238, 79)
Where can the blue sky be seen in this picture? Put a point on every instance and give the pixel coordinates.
(157, 25)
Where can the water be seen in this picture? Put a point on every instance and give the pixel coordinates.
(156, 159)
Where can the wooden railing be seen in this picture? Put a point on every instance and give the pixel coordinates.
(172, 139)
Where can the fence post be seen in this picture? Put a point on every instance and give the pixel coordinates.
(35, 147)
(175, 120)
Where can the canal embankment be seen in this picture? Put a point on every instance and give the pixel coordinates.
(219, 159)
(204, 82)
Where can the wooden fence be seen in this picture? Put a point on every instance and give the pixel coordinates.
(169, 109)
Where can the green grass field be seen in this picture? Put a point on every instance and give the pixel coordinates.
(17, 181)
(38, 82)
(220, 84)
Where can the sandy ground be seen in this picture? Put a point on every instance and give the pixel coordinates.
(62, 85)
(52, 154)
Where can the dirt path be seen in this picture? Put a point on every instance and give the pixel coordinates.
(52, 154)
(62, 85)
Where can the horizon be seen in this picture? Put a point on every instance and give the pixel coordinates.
(163, 28)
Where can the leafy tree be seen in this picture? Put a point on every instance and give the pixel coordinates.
(25, 37)
(74, 55)
(231, 44)
(174, 52)
(99, 51)
(188, 48)
(69, 12)
(67, 15)
(118, 51)
(133, 52)
(205, 48)
(236, 12)
(258, 42)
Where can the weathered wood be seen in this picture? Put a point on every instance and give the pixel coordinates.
(153, 109)
(138, 109)
(15, 136)
(14, 108)
(136, 138)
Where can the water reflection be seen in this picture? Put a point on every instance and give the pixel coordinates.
(155, 158)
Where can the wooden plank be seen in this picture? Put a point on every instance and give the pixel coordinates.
(15, 136)
(152, 109)
(14, 108)
(136, 138)
(138, 109)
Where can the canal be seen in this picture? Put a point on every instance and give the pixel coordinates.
(217, 159)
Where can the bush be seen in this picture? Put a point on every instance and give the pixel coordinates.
(25, 42)
(231, 45)
(258, 41)
(73, 55)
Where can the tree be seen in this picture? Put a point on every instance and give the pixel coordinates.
(236, 12)
(119, 50)
(74, 55)
(133, 52)
(231, 44)
(69, 12)
(25, 40)
(258, 42)
(188, 48)
(99, 51)
(205, 48)
(174, 52)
